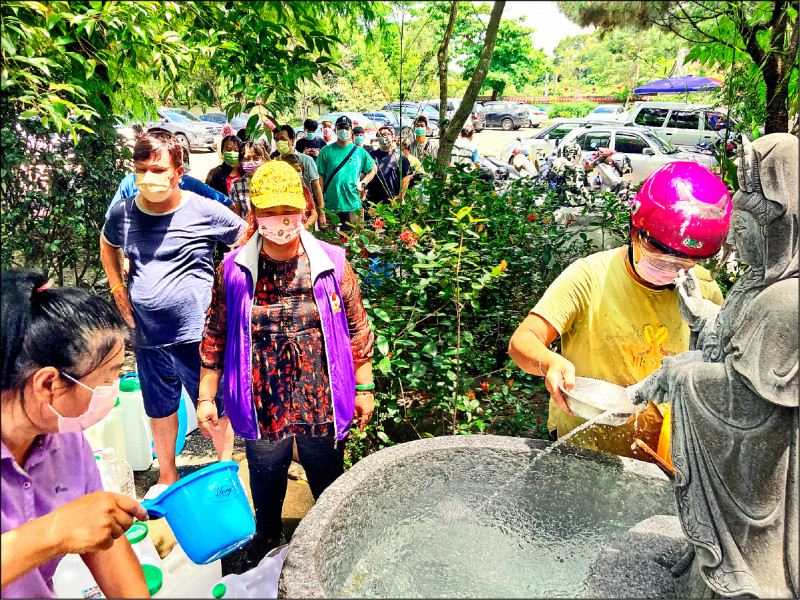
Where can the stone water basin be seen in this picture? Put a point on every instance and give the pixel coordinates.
(469, 516)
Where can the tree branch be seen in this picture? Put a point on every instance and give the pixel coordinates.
(441, 58)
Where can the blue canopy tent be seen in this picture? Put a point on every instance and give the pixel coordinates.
(679, 85)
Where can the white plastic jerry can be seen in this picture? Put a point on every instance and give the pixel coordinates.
(136, 424)
(185, 579)
(108, 433)
(73, 579)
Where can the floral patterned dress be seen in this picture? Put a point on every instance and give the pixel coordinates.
(291, 388)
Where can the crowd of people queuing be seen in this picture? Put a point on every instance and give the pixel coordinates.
(271, 340)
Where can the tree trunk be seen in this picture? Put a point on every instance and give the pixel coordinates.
(494, 95)
(441, 57)
(777, 88)
(475, 85)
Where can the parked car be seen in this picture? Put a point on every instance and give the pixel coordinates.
(615, 112)
(370, 129)
(645, 149)
(190, 130)
(536, 116)
(541, 144)
(412, 109)
(238, 122)
(680, 123)
(508, 115)
(403, 126)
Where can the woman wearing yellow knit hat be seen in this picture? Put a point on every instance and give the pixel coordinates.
(288, 330)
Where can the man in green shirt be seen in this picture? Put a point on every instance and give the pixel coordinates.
(344, 172)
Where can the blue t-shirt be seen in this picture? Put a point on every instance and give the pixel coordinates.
(127, 188)
(171, 264)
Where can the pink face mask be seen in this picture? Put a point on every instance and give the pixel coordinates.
(103, 399)
(280, 229)
(649, 272)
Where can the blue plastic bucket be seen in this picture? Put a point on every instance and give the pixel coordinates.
(207, 511)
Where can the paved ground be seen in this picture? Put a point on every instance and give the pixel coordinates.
(489, 141)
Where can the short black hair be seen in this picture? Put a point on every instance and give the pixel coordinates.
(154, 142)
(388, 128)
(289, 130)
(467, 131)
(242, 134)
(422, 118)
(53, 327)
(310, 125)
(258, 148)
(232, 138)
(358, 129)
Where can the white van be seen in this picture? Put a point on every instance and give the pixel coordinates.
(680, 123)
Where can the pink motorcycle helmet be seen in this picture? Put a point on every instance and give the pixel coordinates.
(685, 207)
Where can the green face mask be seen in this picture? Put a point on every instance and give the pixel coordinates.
(231, 158)
(283, 147)
(419, 131)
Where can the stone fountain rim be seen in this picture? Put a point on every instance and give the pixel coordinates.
(298, 576)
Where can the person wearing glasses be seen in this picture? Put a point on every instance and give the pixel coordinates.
(617, 311)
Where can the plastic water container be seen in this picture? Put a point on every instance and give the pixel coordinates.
(259, 582)
(142, 545)
(108, 433)
(138, 438)
(116, 472)
(108, 474)
(185, 579)
(214, 494)
(73, 579)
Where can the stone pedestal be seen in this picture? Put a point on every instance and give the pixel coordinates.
(637, 563)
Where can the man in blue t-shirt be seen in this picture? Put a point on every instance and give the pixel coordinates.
(169, 236)
(394, 171)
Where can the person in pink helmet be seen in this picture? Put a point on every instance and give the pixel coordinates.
(617, 311)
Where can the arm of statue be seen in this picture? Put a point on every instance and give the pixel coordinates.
(697, 311)
(655, 387)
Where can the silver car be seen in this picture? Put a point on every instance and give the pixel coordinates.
(540, 145)
(646, 150)
(190, 130)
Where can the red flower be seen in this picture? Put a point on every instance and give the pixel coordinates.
(471, 395)
(379, 224)
(594, 89)
(566, 89)
(570, 220)
(485, 386)
(409, 238)
(531, 217)
(538, 420)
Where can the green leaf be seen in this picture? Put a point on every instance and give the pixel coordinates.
(381, 314)
(431, 349)
(383, 344)
(384, 438)
(385, 365)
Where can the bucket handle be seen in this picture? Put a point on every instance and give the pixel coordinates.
(152, 508)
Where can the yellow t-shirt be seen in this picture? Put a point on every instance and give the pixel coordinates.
(612, 327)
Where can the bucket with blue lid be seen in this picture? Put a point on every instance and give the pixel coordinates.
(208, 512)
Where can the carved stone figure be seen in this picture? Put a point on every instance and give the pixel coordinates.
(735, 396)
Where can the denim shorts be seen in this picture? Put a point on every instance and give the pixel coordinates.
(163, 370)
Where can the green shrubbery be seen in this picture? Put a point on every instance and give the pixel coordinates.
(55, 195)
(447, 276)
(571, 109)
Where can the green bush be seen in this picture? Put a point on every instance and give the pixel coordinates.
(446, 277)
(55, 195)
(571, 109)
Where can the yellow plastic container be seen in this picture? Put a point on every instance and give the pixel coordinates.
(664, 437)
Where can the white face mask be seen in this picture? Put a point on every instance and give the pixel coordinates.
(155, 187)
(280, 229)
(103, 399)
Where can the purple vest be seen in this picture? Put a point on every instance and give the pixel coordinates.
(240, 272)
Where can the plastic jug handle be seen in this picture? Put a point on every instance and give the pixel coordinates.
(152, 508)
(128, 376)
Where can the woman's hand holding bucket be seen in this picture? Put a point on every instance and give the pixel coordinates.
(92, 522)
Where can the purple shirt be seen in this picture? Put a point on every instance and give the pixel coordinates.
(60, 468)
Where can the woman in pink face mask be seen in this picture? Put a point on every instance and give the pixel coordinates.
(61, 352)
(287, 328)
(617, 311)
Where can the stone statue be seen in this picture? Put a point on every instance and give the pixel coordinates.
(734, 396)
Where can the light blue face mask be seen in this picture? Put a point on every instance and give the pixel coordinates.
(359, 139)
(310, 135)
(343, 134)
